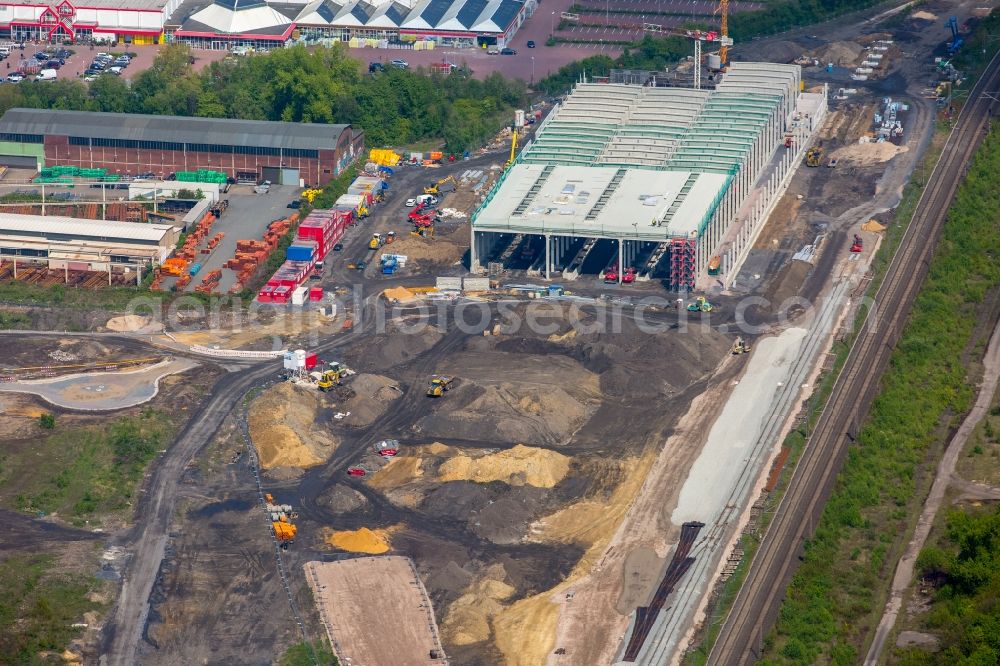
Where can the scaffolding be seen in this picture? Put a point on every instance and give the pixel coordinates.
(683, 258)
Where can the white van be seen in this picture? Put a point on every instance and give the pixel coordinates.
(493, 50)
(5, 50)
(46, 75)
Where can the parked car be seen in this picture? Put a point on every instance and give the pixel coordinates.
(361, 265)
(41, 56)
(410, 203)
(338, 247)
(53, 64)
(15, 77)
(376, 67)
(832, 163)
(493, 50)
(400, 63)
(508, 51)
(46, 75)
(530, 44)
(116, 70)
(90, 77)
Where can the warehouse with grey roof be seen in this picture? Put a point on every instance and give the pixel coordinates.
(673, 183)
(134, 144)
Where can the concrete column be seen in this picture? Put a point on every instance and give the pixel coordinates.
(473, 254)
(621, 258)
(548, 256)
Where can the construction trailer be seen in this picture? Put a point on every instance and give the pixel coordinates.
(661, 180)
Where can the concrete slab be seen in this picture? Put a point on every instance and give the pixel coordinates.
(101, 391)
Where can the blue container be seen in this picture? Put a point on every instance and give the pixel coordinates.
(555, 290)
(193, 269)
(300, 252)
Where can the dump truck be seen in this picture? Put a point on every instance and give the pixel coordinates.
(438, 385)
(387, 448)
(284, 532)
(356, 471)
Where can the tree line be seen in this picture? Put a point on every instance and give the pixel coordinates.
(320, 85)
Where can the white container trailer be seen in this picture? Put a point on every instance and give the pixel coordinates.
(299, 296)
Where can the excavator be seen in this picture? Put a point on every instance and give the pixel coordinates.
(448, 184)
(438, 385)
(740, 347)
(813, 156)
(329, 379)
(700, 304)
(513, 148)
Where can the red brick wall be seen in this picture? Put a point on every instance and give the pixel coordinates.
(58, 151)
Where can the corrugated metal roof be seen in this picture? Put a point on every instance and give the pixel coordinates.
(435, 10)
(176, 129)
(13, 225)
(504, 15)
(470, 12)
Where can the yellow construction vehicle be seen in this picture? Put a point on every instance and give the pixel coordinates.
(740, 347)
(376, 242)
(438, 385)
(700, 304)
(284, 531)
(513, 147)
(311, 194)
(329, 379)
(814, 156)
(448, 184)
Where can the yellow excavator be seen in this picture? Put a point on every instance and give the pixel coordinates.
(513, 147)
(448, 184)
(813, 156)
(438, 385)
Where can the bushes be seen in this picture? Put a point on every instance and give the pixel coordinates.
(832, 601)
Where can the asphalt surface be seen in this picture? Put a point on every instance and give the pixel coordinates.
(756, 606)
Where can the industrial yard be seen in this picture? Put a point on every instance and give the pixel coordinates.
(476, 400)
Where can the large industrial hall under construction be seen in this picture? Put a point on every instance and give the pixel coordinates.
(674, 183)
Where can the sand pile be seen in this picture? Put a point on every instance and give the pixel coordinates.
(282, 425)
(372, 393)
(400, 295)
(364, 540)
(924, 16)
(389, 350)
(128, 323)
(873, 226)
(468, 618)
(519, 466)
(839, 53)
(868, 154)
(425, 251)
(514, 413)
(394, 478)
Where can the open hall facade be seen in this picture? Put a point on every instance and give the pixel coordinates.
(673, 183)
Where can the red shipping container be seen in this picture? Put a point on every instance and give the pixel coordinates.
(311, 361)
(316, 294)
(265, 294)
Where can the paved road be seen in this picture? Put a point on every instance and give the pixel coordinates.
(757, 604)
(904, 570)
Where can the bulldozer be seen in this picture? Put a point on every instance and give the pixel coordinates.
(448, 184)
(814, 156)
(740, 347)
(438, 385)
(700, 304)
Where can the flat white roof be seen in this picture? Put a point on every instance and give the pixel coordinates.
(601, 201)
(75, 228)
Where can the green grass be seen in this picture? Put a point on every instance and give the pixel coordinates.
(88, 471)
(306, 654)
(835, 597)
(38, 608)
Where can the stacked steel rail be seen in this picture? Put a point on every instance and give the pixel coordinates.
(645, 616)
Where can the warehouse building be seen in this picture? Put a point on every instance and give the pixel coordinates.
(224, 24)
(131, 144)
(128, 21)
(674, 183)
(84, 245)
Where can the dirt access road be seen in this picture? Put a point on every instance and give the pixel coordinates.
(123, 631)
(904, 571)
(757, 604)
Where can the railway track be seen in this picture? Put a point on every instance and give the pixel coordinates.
(756, 606)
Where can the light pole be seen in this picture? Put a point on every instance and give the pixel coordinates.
(532, 71)
(552, 24)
